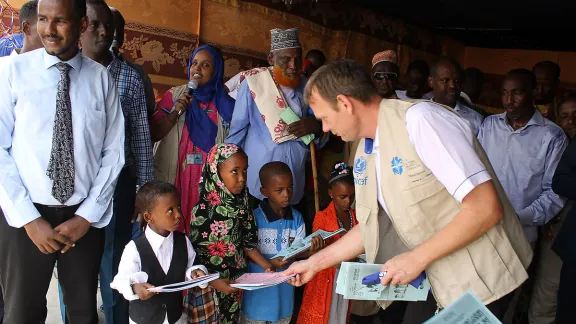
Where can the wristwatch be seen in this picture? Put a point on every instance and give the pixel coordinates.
(180, 112)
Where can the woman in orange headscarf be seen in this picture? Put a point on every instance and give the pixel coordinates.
(321, 305)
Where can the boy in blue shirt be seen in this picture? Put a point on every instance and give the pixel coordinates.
(278, 226)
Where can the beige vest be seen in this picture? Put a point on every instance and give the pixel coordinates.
(420, 206)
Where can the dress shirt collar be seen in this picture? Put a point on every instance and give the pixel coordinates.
(460, 108)
(271, 215)
(51, 60)
(537, 119)
(376, 143)
(371, 145)
(156, 240)
(15, 52)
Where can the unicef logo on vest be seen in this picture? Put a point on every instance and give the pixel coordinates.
(359, 168)
(397, 165)
(360, 165)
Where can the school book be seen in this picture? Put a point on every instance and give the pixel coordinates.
(253, 281)
(179, 286)
(466, 309)
(349, 284)
(289, 117)
(303, 245)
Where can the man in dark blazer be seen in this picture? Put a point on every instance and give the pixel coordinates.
(564, 184)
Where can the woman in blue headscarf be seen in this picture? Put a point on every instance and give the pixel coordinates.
(189, 125)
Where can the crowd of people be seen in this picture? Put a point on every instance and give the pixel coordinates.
(119, 192)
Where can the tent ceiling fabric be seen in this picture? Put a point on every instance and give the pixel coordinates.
(521, 24)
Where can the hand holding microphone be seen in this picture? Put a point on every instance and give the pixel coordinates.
(184, 101)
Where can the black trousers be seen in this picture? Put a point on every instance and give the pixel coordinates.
(566, 293)
(420, 312)
(393, 314)
(1, 307)
(25, 272)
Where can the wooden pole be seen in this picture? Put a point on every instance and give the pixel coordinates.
(315, 175)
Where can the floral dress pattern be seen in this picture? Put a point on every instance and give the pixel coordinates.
(222, 228)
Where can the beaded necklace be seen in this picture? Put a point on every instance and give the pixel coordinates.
(342, 225)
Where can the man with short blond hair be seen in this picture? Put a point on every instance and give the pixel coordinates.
(427, 198)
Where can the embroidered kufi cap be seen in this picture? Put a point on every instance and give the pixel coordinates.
(282, 39)
(385, 56)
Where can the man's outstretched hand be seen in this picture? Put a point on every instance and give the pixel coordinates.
(304, 271)
(402, 269)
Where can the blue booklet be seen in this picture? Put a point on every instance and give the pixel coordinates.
(466, 309)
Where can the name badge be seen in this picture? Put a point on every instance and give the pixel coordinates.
(194, 158)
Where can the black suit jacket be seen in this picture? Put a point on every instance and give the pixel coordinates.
(564, 184)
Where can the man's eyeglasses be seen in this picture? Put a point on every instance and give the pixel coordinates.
(385, 76)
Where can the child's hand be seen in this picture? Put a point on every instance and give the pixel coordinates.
(141, 289)
(277, 263)
(317, 244)
(270, 267)
(223, 286)
(197, 274)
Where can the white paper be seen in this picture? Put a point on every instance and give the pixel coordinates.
(253, 281)
(179, 286)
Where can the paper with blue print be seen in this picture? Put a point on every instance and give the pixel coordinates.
(349, 284)
(468, 309)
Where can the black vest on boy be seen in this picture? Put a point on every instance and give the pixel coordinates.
(154, 310)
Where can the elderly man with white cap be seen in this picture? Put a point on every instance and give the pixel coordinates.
(268, 102)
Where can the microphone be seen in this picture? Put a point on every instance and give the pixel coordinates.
(192, 85)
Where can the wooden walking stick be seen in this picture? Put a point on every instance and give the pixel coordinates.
(315, 176)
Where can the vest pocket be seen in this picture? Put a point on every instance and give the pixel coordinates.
(428, 208)
(415, 195)
(362, 213)
(369, 227)
(489, 266)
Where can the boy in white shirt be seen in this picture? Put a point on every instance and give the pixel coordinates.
(161, 256)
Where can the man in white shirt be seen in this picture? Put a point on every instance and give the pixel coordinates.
(445, 145)
(61, 150)
(28, 20)
(446, 81)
